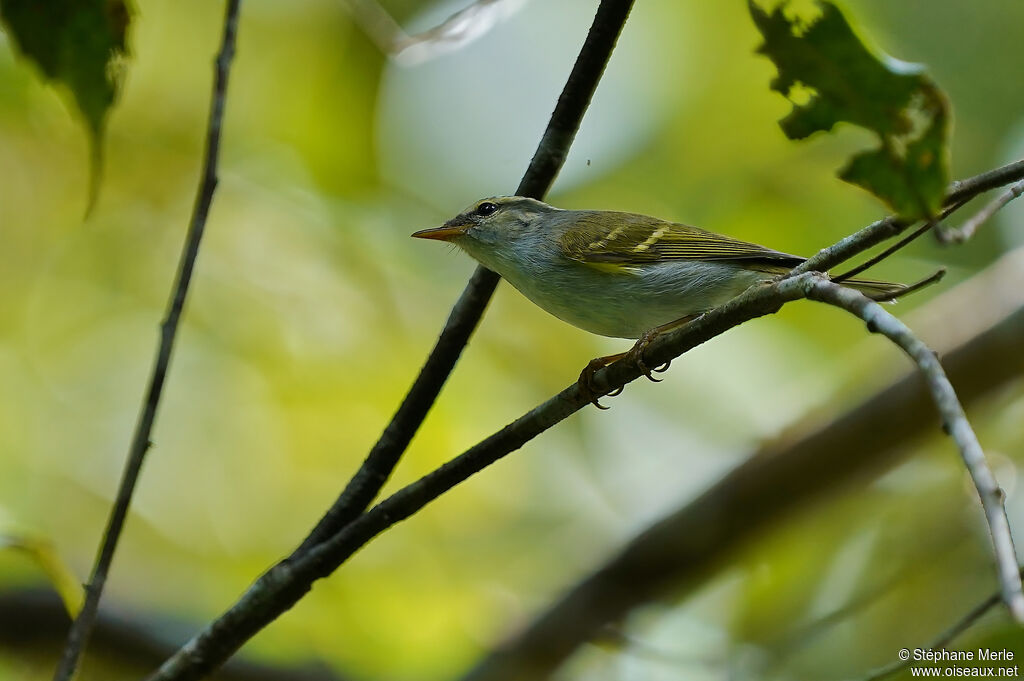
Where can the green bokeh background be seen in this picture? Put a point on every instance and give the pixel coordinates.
(312, 310)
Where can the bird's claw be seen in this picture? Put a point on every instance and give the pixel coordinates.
(586, 380)
(636, 353)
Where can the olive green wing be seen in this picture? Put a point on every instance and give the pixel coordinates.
(621, 242)
(627, 239)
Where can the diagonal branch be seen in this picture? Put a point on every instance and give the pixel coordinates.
(967, 230)
(965, 190)
(210, 649)
(284, 584)
(954, 421)
(682, 550)
(959, 193)
(78, 636)
(540, 174)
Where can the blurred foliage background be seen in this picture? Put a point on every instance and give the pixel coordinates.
(312, 310)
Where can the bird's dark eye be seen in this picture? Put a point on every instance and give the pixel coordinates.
(486, 208)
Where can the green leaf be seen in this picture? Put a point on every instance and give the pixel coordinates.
(79, 44)
(825, 62)
(42, 553)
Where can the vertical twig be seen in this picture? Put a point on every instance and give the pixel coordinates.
(278, 589)
(540, 174)
(78, 636)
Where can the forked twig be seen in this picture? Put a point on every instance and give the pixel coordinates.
(871, 262)
(967, 230)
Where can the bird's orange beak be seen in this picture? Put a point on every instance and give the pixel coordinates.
(446, 232)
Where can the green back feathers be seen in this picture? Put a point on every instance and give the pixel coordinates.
(631, 240)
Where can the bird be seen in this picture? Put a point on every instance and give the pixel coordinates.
(616, 274)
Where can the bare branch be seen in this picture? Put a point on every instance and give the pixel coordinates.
(880, 231)
(540, 174)
(912, 288)
(967, 230)
(965, 190)
(954, 420)
(682, 550)
(868, 264)
(959, 192)
(216, 644)
(284, 584)
(78, 636)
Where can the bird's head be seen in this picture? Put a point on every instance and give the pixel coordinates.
(492, 223)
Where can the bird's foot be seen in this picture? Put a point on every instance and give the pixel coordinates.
(636, 354)
(586, 380)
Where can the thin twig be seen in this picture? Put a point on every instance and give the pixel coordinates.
(285, 583)
(912, 288)
(967, 230)
(78, 636)
(943, 639)
(954, 420)
(868, 264)
(958, 194)
(961, 191)
(925, 557)
(205, 653)
(540, 174)
(895, 227)
(682, 551)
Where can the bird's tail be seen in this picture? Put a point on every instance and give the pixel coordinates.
(880, 290)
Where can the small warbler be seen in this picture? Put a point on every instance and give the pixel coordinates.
(615, 274)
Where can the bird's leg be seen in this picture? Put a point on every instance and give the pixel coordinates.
(636, 353)
(586, 379)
